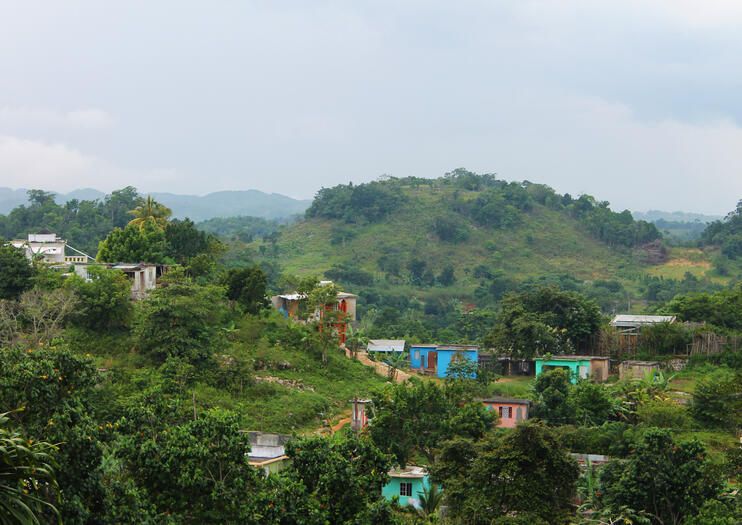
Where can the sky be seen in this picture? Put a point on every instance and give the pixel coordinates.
(633, 101)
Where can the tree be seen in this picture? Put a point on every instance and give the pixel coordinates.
(247, 287)
(16, 272)
(344, 475)
(417, 416)
(430, 499)
(592, 403)
(150, 211)
(545, 319)
(447, 276)
(523, 473)
(669, 480)
(552, 390)
(104, 299)
(27, 477)
(38, 316)
(185, 241)
(181, 320)
(197, 471)
(142, 242)
(717, 400)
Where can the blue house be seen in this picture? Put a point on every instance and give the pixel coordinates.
(435, 359)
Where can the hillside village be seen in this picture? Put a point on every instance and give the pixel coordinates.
(474, 368)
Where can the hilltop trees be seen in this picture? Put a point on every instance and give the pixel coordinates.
(726, 234)
(368, 202)
(135, 243)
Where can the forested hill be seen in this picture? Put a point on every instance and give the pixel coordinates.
(421, 245)
(412, 229)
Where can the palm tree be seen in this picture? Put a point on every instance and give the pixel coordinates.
(150, 209)
(431, 498)
(26, 478)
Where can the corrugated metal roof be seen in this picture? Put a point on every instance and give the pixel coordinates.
(386, 345)
(638, 320)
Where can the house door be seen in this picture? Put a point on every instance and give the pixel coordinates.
(432, 361)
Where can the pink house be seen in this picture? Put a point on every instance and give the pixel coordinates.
(511, 411)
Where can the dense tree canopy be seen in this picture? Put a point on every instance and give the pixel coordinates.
(16, 272)
(545, 319)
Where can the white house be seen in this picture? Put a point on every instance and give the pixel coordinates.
(143, 276)
(50, 248)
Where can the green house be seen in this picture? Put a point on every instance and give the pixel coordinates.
(407, 484)
(579, 366)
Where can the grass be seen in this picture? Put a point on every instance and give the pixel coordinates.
(511, 386)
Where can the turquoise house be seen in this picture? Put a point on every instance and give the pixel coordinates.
(579, 366)
(407, 484)
(435, 359)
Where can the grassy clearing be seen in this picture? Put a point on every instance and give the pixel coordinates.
(512, 386)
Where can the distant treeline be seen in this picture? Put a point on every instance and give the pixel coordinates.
(83, 223)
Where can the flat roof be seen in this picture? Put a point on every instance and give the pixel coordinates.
(410, 471)
(508, 400)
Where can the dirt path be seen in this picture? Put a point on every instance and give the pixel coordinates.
(380, 368)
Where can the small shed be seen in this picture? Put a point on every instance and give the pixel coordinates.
(637, 369)
(268, 451)
(387, 346)
(407, 484)
(580, 366)
(511, 411)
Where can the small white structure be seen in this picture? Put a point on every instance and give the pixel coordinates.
(268, 451)
(143, 276)
(386, 345)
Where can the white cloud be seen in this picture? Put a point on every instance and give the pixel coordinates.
(58, 167)
(85, 119)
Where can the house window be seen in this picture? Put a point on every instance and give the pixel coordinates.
(417, 355)
(405, 489)
(505, 412)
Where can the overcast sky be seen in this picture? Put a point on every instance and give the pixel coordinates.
(636, 102)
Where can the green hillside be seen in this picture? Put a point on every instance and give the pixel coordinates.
(433, 249)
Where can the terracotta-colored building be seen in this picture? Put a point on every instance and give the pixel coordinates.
(511, 411)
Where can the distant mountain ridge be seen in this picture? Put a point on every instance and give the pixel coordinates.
(674, 216)
(253, 203)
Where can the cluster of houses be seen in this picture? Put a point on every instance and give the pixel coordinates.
(407, 484)
(55, 252)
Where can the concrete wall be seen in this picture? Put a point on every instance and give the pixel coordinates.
(518, 411)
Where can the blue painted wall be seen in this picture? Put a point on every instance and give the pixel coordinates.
(419, 355)
(445, 357)
(392, 489)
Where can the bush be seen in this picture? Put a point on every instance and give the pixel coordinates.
(664, 414)
(717, 400)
